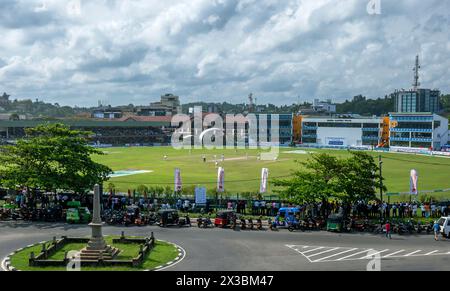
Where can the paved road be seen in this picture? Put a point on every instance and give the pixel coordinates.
(217, 249)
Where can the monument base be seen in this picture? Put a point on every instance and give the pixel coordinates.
(107, 254)
(97, 249)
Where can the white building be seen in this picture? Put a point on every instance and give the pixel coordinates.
(342, 132)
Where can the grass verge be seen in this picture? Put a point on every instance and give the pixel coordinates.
(162, 253)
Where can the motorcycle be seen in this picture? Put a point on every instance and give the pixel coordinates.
(272, 225)
(207, 222)
(296, 225)
(259, 224)
(200, 222)
(243, 224)
(250, 224)
(234, 223)
(127, 220)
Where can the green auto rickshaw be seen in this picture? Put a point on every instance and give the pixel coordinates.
(335, 222)
(77, 214)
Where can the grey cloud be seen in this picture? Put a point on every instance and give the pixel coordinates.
(216, 50)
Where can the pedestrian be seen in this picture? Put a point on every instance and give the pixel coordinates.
(422, 210)
(436, 229)
(388, 230)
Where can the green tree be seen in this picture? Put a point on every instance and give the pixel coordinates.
(52, 157)
(324, 177)
(359, 178)
(316, 180)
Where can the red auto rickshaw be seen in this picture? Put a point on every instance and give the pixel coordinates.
(224, 218)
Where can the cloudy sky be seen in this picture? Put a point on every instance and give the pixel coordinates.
(132, 51)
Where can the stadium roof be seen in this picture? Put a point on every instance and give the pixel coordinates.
(130, 122)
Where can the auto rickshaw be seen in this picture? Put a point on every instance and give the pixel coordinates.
(132, 213)
(286, 217)
(169, 217)
(77, 214)
(224, 218)
(337, 223)
(72, 215)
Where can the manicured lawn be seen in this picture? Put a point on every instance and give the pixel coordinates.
(161, 254)
(243, 175)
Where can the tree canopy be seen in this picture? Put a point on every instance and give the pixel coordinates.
(324, 177)
(52, 157)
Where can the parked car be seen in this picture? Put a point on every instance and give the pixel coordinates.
(444, 223)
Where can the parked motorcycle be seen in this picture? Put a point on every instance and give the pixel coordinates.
(259, 224)
(234, 223)
(250, 224)
(243, 224)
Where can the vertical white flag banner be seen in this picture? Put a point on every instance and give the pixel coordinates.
(413, 182)
(264, 178)
(221, 180)
(178, 183)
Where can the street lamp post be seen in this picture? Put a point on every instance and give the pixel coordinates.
(380, 162)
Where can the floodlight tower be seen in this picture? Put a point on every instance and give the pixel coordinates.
(416, 69)
(252, 103)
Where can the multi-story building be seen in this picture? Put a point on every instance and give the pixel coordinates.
(407, 130)
(169, 105)
(417, 100)
(341, 132)
(325, 107)
(418, 130)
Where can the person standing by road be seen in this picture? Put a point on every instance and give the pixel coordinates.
(436, 229)
(388, 229)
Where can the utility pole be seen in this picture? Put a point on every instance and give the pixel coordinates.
(380, 162)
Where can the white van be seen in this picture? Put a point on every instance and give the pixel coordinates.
(444, 224)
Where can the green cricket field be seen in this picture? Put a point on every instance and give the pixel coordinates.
(156, 166)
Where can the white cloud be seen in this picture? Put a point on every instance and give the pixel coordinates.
(79, 51)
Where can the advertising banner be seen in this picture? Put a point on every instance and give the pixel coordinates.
(413, 182)
(221, 180)
(264, 178)
(178, 183)
(200, 195)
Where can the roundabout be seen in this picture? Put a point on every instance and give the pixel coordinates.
(164, 256)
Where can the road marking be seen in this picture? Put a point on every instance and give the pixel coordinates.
(344, 252)
(394, 253)
(321, 254)
(327, 251)
(427, 254)
(375, 253)
(316, 249)
(415, 252)
(365, 251)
